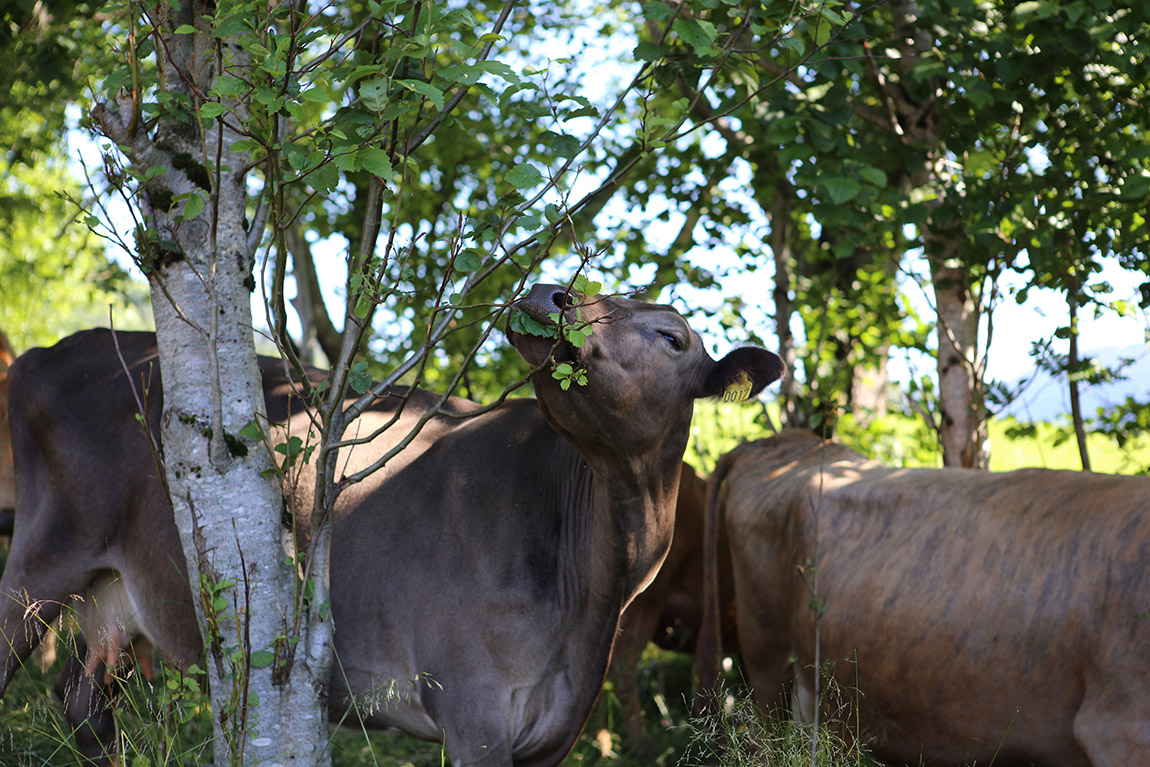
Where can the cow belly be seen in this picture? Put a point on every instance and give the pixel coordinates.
(381, 700)
(949, 682)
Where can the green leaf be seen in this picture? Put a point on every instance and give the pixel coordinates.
(501, 70)
(376, 162)
(373, 93)
(467, 261)
(524, 176)
(252, 431)
(524, 323)
(359, 379)
(461, 73)
(212, 109)
(874, 176)
(1136, 187)
(700, 35)
(561, 144)
(262, 658)
(229, 85)
(193, 205)
(657, 10)
(588, 287)
(185, 29)
(316, 95)
(840, 188)
(646, 51)
(424, 89)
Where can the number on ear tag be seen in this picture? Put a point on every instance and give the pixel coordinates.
(739, 390)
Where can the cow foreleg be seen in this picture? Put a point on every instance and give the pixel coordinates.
(1114, 732)
(88, 710)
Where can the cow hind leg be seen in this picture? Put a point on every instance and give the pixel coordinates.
(33, 591)
(1113, 735)
(25, 622)
(88, 710)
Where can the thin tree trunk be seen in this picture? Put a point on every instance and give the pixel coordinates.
(961, 419)
(268, 692)
(1072, 364)
(308, 303)
(781, 249)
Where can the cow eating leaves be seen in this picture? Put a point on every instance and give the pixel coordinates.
(476, 580)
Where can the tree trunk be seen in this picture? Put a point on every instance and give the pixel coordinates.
(961, 418)
(268, 693)
(1072, 364)
(780, 213)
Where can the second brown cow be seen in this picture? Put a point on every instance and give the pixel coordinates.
(969, 616)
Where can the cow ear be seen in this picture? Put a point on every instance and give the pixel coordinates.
(742, 374)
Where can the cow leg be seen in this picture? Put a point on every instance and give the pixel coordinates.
(1113, 729)
(31, 597)
(88, 709)
(635, 629)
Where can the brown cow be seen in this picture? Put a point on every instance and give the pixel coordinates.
(670, 611)
(974, 617)
(480, 575)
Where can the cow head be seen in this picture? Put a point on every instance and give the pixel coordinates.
(644, 367)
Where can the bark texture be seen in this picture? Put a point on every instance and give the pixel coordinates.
(200, 267)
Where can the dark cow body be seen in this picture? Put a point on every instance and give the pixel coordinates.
(981, 618)
(476, 581)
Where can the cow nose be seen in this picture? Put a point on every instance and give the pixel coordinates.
(546, 299)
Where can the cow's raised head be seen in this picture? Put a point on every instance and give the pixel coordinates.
(643, 367)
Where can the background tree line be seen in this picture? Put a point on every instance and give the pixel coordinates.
(390, 172)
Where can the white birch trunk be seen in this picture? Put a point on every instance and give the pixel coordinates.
(961, 420)
(228, 515)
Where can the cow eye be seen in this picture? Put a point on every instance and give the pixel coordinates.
(673, 340)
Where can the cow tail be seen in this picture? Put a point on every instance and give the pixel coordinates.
(709, 650)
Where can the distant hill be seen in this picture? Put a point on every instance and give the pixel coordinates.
(1047, 399)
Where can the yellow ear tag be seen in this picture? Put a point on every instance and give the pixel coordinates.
(739, 390)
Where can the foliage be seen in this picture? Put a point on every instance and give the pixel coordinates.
(56, 276)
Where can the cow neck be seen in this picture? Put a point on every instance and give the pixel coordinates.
(633, 516)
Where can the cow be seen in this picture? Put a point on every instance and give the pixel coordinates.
(476, 580)
(966, 617)
(669, 612)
